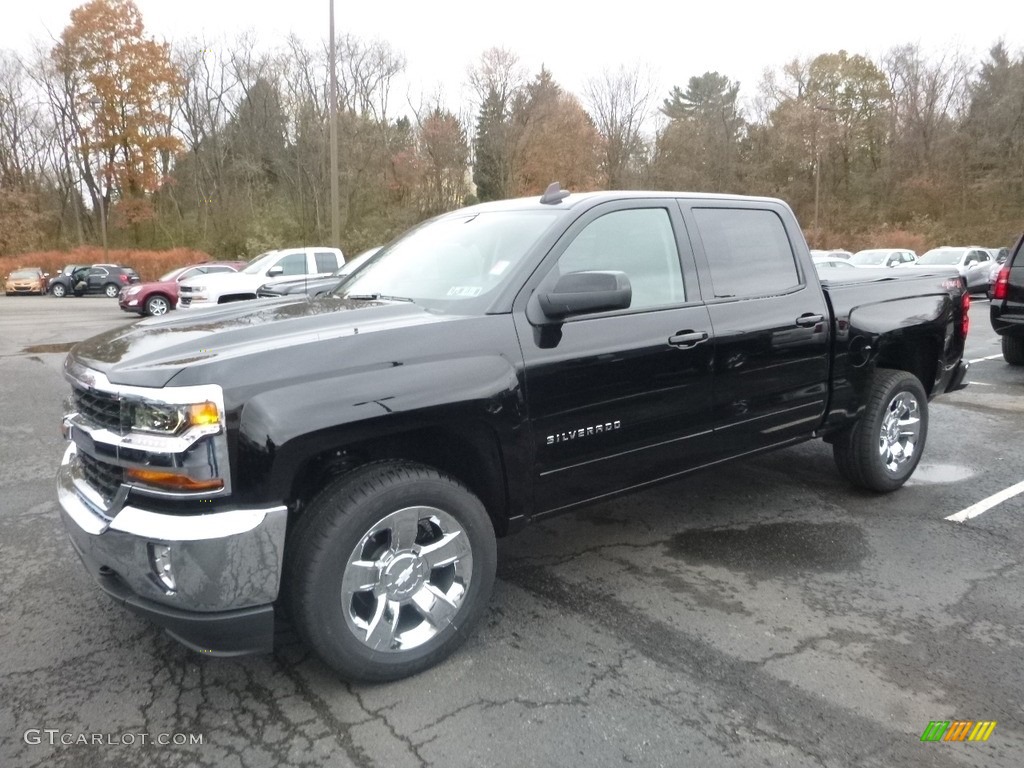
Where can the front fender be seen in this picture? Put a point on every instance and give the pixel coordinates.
(281, 429)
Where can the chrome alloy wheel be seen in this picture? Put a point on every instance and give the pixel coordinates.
(406, 579)
(901, 427)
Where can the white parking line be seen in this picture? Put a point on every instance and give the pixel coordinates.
(983, 359)
(986, 504)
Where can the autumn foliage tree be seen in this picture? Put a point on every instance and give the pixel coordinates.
(556, 140)
(120, 88)
(443, 156)
(929, 147)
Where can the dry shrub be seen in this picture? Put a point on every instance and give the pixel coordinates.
(149, 264)
(893, 237)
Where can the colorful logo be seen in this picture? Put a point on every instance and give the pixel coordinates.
(958, 730)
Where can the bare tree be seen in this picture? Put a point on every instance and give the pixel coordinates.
(619, 104)
(927, 169)
(497, 73)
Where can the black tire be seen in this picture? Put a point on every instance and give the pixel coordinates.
(349, 543)
(58, 291)
(157, 305)
(1013, 349)
(110, 290)
(882, 450)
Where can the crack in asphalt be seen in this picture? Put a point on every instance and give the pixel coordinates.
(797, 718)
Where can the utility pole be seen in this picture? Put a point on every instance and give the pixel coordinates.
(335, 211)
(96, 103)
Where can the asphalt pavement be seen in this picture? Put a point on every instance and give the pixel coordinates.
(761, 613)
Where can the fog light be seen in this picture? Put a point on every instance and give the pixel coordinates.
(160, 561)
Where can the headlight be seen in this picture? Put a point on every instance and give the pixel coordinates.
(198, 289)
(168, 419)
(133, 290)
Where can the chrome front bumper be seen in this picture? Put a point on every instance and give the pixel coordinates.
(222, 561)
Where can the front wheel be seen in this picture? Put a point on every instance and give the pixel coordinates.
(111, 290)
(157, 305)
(58, 291)
(389, 569)
(882, 450)
(1013, 349)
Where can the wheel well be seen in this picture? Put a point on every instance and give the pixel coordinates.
(158, 295)
(470, 455)
(919, 358)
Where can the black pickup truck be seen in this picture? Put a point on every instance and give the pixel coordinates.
(349, 461)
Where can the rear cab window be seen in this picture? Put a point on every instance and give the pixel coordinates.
(326, 261)
(748, 251)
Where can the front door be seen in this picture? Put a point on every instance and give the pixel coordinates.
(619, 399)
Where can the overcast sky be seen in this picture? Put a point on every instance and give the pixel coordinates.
(576, 41)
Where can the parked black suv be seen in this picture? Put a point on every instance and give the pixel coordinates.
(1007, 306)
(80, 280)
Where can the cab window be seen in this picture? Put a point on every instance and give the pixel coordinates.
(748, 252)
(639, 242)
(293, 264)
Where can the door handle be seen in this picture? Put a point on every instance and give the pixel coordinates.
(686, 339)
(806, 321)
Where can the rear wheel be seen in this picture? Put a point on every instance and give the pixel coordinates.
(1013, 349)
(58, 291)
(389, 569)
(882, 450)
(157, 305)
(110, 290)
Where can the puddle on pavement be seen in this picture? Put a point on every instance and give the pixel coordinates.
(939, 473)
(42, 348)
(775, 548)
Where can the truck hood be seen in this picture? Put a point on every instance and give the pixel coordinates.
(224, 278)
(151, 352)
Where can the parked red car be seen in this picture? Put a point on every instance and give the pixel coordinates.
(160, 297)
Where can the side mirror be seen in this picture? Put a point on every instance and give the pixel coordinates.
(580, 293)
(275, 271)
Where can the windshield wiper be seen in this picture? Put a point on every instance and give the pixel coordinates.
(376, 297)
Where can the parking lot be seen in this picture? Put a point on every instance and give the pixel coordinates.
(757, 614)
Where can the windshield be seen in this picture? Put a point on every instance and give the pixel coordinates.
(22, 274)
(452, 259)
(355, 263)
(947, 256)
(259, 263)
(869, 258)
(172, 274)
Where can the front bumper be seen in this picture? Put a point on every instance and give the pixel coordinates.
(226, 565)
(130, 304)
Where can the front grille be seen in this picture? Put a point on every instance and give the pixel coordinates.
(105, 478)
(99, 408)
(185, 295)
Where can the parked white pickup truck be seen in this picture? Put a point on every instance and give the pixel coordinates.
(285, 264)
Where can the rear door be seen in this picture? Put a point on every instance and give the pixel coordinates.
(770, 323)
(618, 399)
(96, 279)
